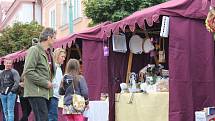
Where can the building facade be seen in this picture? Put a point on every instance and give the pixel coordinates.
(23, 11)
(65, 16)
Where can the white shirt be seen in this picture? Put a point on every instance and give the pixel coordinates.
(57, 80)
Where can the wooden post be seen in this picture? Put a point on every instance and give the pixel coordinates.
(129, 66)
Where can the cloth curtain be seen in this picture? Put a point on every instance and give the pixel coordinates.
(191, 67)
(95, 68)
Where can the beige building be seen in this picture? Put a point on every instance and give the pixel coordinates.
(55, 14)
(23, 11)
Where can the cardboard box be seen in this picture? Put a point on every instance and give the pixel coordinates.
(202, 116)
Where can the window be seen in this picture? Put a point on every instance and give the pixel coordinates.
(76, 9)
(64, 13)
(52, 18)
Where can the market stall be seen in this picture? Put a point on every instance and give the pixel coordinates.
(94, 64)
(93, 59)
(190, 56)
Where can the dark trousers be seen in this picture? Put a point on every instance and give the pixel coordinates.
(39, 106)
(26, 108)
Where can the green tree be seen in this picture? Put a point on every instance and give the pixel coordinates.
(114, 10)
(149, 3)
(18, 37)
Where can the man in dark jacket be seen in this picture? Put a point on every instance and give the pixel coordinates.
(9, 82)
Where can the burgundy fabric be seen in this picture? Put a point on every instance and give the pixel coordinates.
(191, 78)
(95, 68)
(74, 117)
(191, 66)
(94, 63)
(197, 9)
(190, 9)
(93, 34)
(213, 3)
(16, 56)
(117, 72)
(117, 63)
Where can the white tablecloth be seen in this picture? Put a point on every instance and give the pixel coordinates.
(98, 111)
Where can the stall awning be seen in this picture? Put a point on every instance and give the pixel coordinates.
(195, 9)
(16, 56)
(93, 34)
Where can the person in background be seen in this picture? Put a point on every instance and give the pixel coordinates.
(73, 77)
(9, 82)
(38, 75)
(59, 56)
(35, 41)
(25, 105)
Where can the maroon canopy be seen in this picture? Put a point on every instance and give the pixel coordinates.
(94, 63)
(213, 3)
(16, 56)
(197, 9)
(191, 55)
(94, 34)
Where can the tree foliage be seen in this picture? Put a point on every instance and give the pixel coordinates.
(149, 3)
(18, 37)
(114, 10)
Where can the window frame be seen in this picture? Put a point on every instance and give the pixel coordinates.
(53, 9)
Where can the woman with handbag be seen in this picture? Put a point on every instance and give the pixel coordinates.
(75, 89)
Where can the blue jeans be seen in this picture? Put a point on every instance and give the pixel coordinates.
(3, 118)
(53, 109)
(8, 104)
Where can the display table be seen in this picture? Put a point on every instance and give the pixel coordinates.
(143, 107)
